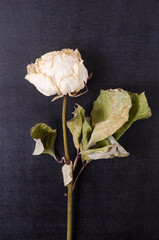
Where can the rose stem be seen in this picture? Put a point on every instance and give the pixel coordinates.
(69, 195)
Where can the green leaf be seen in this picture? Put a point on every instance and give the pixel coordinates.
(110, 112)
(110, 151)
(86, 133)
(75, 125)
(102, 143)
(45, 138)
(139, 110)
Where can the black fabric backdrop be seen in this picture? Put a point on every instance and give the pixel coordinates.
(115, 199)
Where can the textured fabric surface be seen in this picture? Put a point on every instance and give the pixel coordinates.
(115, 199)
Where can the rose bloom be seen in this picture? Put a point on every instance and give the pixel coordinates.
(58, 72)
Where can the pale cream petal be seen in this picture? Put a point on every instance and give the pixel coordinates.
(69, 84)
(78, 55)
(43, 83)
(63, 67)
(44, 66)
(83, 74)
(76, 69)
(31, 68)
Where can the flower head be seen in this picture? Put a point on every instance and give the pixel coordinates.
(58, 72)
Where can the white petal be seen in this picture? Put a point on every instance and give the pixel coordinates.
(45, 63)
(44, 84)
(63, 67)
(31, 68)
(69, 84)
(83, 74)
(76, 69)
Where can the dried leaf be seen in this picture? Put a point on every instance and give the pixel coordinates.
(75, 125)
(139, 110)
(110, 151)
(45, 138)
(110, 112)
(102, 143)
(86, 133)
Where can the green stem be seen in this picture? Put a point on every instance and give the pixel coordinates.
(67, 157)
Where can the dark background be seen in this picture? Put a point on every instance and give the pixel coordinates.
(116, 199)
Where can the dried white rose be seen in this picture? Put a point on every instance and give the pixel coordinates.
(58, 72)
